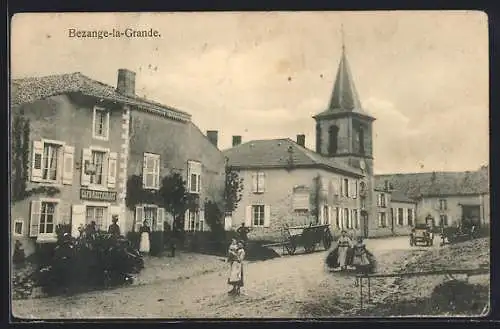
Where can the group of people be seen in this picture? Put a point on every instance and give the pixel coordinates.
(347, 253)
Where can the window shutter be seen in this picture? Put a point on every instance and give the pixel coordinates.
(64, 213)
(186, 220)
(355, 189)
(139, 217)
(329, 215)
(248, 216)
(188, 180)
(341, 218)
(341, 184)
(86, 159)
(68, 159)
(112, 169)
(157, 173)
(77, 219)
(262, 183)
(254, 182)
(405, 217)
(202, 219)
(160, 219)
(267, 216)
(36, 209)
(199, 183)
(144, 171)
(36, 162)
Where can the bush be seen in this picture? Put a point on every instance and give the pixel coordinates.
(459, 297)
(156, 243)
(95, 259)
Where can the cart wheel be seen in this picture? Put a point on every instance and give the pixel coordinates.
(290, 248)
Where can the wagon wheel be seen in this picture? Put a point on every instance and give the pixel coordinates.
(310, 248)
(290, 247)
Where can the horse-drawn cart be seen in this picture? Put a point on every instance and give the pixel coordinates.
(307, 236)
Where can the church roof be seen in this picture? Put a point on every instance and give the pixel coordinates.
(282, 153)
(344, 97)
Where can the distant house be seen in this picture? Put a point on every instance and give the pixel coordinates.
(445, 198)
(85, 140)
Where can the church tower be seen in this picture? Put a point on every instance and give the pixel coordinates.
(344, 131)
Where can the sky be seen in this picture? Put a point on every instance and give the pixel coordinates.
(262, 75)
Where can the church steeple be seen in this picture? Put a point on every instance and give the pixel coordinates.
(344, 95)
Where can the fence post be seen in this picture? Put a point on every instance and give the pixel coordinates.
(361, 292)
(369, 292)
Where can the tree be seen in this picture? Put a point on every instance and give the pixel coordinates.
(232, 190)
(316, 197)
(175, 198)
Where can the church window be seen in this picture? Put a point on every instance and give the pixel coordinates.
(333, 140)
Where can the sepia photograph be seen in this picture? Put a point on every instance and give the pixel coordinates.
(230, 165)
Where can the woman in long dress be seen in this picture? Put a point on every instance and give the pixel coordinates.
(144, 245)
(344, 244)
(236, 272)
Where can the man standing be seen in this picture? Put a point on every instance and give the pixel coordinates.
(243, 232)
(114, 229)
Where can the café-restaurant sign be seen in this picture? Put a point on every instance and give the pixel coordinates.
(86, 194)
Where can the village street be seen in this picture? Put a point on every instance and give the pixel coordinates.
(281, 287)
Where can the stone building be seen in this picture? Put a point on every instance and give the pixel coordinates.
(343, 164)
(85, 140)
(445, 198)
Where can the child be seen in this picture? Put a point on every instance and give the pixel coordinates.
(233, 251)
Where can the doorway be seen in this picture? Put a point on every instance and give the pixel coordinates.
(472, 214)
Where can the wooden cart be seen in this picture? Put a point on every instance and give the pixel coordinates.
(307, 236)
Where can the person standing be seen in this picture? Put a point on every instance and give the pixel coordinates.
(236, 272)
(114, 228)
(243, 233)
(145, 231)
(344, 244)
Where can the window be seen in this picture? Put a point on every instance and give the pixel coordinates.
(382, 222)
(333, 132)
(194, 177)
(346, 187)
(259, 182)
(97, 215)
(337, 217)
(400, 216)
(301, 199)
(50, 161)
(410, 217)
(101, 123)
(47, 218)
(346, 218)
(443, 220)
(150, 215)
(98, 161)
(381, 200)
(195, 221)
(443, 205)
(361, 140)
(363, 203)
(258, 215)
(355, 219)
(151, 171)
(18, 227)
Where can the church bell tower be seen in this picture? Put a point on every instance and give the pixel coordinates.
(344, 131)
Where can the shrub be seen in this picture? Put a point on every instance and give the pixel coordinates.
(95, 259)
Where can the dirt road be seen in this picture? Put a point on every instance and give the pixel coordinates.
(281, 287)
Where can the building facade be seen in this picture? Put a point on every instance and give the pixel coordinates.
(445, 198)
(85, 140)
(74, 148)
(286, 184)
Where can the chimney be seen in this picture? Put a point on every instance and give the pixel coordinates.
(301, 140)
(236, 140)
(212, 136)
(126, 82)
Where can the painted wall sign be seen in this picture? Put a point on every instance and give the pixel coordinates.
(86, 194)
